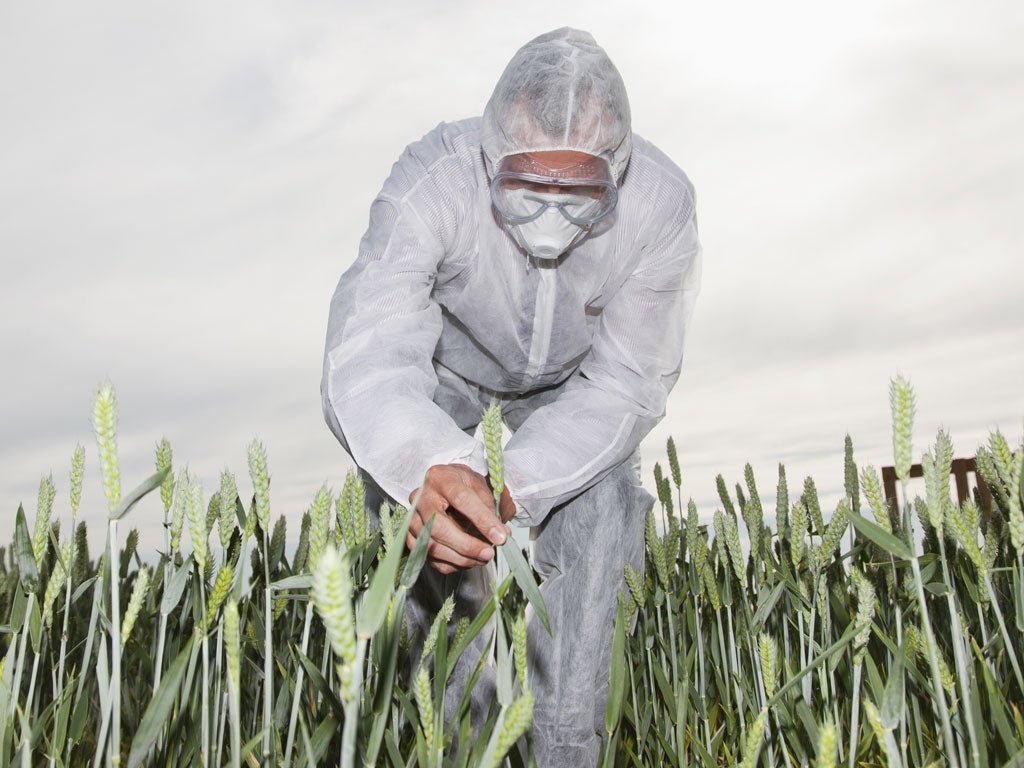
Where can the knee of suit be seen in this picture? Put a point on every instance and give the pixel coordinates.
(621, 493)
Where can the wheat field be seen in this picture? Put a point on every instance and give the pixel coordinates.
(874, 635)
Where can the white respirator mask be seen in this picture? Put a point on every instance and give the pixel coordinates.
(548, 236)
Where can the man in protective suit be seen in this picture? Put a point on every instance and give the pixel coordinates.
(547, 257)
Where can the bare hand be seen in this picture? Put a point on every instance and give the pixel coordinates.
(465, 526)
(508, 507)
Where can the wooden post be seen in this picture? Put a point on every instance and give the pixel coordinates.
(959, 470)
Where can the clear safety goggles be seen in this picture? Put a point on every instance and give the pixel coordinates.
(524, 188)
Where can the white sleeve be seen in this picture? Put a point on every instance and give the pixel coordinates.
(378, 378)
(619, 392)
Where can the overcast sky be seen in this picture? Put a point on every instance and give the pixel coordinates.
(181, 185)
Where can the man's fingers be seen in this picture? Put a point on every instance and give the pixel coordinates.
(477, 506)
(430, 503)
(433, 504)
(448, 540)
(467, 492)
(508, 507)
(440, 552)
(440, 564)
(446, 532)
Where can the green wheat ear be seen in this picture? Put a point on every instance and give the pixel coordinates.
(797, 548)
(425, 704)
(226, 507)
(711, 586)
(231, 641)
(135, 604)
(813, 506)
(723, 494)
(80, 554)
(1001, 454)
(657, 549)
(1006, 467)
(77, 473)
(865, 613)
(491, 426)
(104, 422)
(901, 400)
(663, 488)
(872, 486)
(833, 535)
(518, 717)
(387, 525)
(720, 546)
(165, 460)
(353, 526)
(461, 628)
(850, 475)
(673, 463)
(769, 652)
(944, 457)
(635, 582)
(753, 514)
(319, 524)
(755, 738)
(732, 545)
(212, 513)
(692, 529)
(131, 545)
(332, 596)
(875, 721)
(277, 538)
(355, 490)
(782, 504)
(260, 483)
(828, 742)
(961, 521)
(700, 554)
(44, 509)
(181, 493)
(440, 621)
(519, 653)
(197, 523)
(1017, 507)
(301, 557)
(220, 591)
(933, 485)
(822, 603)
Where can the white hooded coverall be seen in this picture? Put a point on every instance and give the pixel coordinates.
(442, 311)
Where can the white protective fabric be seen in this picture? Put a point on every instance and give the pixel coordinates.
(559, 91)
(439, 284)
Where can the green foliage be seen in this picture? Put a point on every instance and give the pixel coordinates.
(784, 651)
(795, 647)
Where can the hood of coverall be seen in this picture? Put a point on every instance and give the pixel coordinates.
(559, 91)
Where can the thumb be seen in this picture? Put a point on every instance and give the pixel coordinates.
(507, 506)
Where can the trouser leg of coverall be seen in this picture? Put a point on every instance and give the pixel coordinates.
(580, 551)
